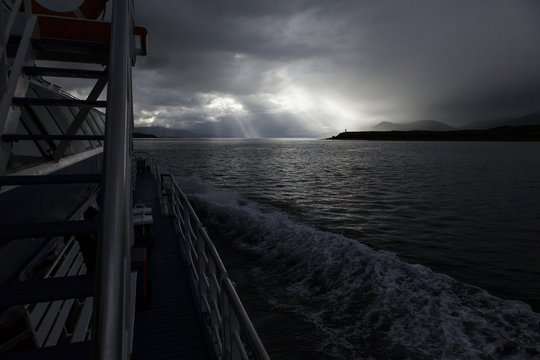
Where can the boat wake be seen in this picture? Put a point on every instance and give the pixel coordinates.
(351, 301)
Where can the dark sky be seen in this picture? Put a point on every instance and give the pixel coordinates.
(313, 68)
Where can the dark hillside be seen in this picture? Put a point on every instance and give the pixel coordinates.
(503, 133)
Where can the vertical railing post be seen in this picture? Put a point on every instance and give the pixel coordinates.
(110, 332)
(27, 9)
(226, 329)
(215, 298)
(3, 58)
(203, 274)
(6, 25)
(235, 331)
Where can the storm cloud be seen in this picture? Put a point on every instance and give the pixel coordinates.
(312, 68)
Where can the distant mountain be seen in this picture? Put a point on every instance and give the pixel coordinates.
(137, 135)
(160, 131)
(529, 119)
(428, 125)
(432, 125)
(386, 126)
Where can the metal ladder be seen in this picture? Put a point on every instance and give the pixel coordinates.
(110, 285)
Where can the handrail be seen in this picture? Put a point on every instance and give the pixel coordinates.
(111, 333)
(233, 334)
(11, 86)
(6, 31)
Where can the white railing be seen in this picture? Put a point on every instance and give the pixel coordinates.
(232, 332)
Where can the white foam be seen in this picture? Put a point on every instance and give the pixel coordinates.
(193, 185)
(367, 302)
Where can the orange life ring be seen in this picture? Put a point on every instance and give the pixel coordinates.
(90, 9)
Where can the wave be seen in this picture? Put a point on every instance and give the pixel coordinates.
(360, 302)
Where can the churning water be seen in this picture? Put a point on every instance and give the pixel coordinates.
(383, 250)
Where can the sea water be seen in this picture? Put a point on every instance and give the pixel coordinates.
(383, 250)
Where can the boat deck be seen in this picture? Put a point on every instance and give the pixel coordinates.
(171, 327)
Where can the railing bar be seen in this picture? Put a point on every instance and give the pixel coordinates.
(216, 284)
(190, 258)
(206, 305)
(206, 282)
(11, 21)
(16, 70)
(193, 250)
(240, 345)
(217, 338)
(195, 255)
(194, 271)
(58, 257)
(205, 258)
(216, 308)
(239, 310)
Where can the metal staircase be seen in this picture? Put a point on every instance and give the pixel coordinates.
(24, 39)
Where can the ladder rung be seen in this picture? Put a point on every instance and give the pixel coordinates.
(46, 43)
(50, 179)
(35, 291)
(58, 102)
(71, 50)
(50, 45)
(78, 350)
(17, 137)
(47, 229)
(62, 72)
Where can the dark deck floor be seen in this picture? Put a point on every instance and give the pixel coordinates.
(171, 328)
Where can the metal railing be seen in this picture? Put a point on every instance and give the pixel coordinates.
(113, 323)
(154, 170)
(232, 332)
(12, 83)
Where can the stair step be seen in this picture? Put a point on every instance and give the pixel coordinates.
(63, 72)
(79, 350)
(47, 229)
(58, 102)
(71, 50)
(17, 137)
(35, 291)
(50, 179)
(47, 43)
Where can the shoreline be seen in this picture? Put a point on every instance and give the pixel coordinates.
(503, 133)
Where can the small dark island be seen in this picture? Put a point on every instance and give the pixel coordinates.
(138, 135)
(502, 133)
